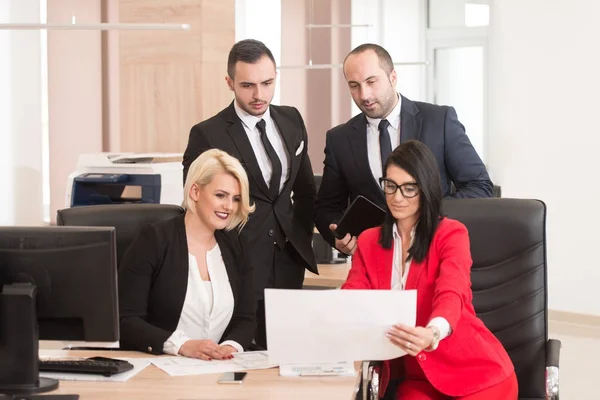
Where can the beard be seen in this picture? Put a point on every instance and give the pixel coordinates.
(377, 112)
(382, 108)
(252, 111)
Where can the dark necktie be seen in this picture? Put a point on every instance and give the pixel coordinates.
(385, 145)
(275, 162)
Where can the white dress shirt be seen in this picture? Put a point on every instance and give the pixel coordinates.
(399, 278)
(208, 305)
(373, 148)
(249, 122)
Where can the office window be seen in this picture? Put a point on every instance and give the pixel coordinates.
(458, 13)
(457, 51)
(459, 83)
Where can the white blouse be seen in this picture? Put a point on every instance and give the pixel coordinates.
(399, 279)
(208, 305)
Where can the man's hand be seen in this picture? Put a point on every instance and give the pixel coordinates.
(206, 350)
(347, 244)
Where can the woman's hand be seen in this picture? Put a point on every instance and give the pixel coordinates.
(227, 350)
(412, 340)
(205, 350)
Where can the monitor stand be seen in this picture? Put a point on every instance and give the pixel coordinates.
(41, 386)
(19, 358)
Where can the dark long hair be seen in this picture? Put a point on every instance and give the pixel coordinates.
(418, 161)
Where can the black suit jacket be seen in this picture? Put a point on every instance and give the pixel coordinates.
(226, 132)
(153, 278)
(347, 173)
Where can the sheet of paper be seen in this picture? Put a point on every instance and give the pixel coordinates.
(311, 326)
(138, 365)
(344, 368)
(180, 366)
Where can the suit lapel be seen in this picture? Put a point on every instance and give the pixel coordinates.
(414, 273)
(179, 269)
(410, 121)
(358, 145)
(288, 133)
(230, 263)
(238, 135)
(384, 267)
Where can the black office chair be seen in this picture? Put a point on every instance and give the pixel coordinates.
(128, 219)
(509, 283)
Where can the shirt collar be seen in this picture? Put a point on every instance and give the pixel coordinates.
(250, 120)
(396, 233)
(393, 117)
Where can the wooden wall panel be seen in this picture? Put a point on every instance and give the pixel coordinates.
(170, 80)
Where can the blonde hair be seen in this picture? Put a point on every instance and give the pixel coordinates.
(203, 170)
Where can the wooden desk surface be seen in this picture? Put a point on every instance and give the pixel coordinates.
(154, 384)
(330, 275)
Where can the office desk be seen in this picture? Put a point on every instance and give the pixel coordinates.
(154, 384)
(330, 275)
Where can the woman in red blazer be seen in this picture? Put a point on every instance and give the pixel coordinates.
(450, 352)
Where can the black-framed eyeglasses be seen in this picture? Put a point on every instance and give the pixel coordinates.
(408, 190)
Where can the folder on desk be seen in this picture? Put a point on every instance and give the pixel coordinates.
(361, 215)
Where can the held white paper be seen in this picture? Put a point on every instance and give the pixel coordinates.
(312, 326)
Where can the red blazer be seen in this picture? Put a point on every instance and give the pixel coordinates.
(470, 358)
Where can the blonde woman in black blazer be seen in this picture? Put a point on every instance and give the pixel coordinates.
(184, 284)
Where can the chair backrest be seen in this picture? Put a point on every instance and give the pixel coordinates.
(128, 219)
(509, 277)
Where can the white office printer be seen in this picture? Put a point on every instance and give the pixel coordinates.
(113, 178)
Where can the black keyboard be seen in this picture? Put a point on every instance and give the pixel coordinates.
(94, 365)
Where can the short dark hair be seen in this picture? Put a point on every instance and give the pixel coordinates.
(248, 51)
(385, 60)
(418, 161)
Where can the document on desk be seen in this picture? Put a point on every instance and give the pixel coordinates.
(345, 368)
(313, 326)
(138, 365)
(180, 366)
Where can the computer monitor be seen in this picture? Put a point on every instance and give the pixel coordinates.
(75, 272)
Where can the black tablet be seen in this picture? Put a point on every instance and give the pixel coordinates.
(362, 214)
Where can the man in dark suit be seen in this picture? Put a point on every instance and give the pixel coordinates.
(356, 151)
(271, 143)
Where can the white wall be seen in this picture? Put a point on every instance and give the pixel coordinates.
(20, 116)
(74, 93)
(544, 138)
(6, 163)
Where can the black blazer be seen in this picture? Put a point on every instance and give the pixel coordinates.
(347, 173)
(225, 131)
(153, 278)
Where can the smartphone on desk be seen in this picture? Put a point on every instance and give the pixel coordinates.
(232, 377)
